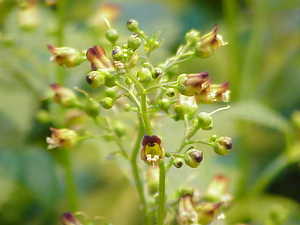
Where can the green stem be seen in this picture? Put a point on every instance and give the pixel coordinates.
(162, 193)
(60, 36)
(135, 171)
(70, 188)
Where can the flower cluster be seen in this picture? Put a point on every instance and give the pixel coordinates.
(124, 79)
(194, 208)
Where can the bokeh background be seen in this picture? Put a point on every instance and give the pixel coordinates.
(261, 62)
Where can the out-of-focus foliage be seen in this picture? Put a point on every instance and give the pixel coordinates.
(262, 63)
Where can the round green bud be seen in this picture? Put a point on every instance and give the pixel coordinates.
(164, 104)
(117, 53)
(180, 111)
(43, 116)
(193, 36)
(107, 102)
(205, 121)
(178, 162)
(92, 107)
(170, 92)
(134, 42)
(111, 92)
(193, 157)
(223, 145)
(144, 74)
(133, 25)
(119, 129)
(110, 80)
(157, 73)
(96, 78)
(112, 35)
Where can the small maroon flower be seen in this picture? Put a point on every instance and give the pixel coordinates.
(69, 219)
(152, 151)
(98, 59)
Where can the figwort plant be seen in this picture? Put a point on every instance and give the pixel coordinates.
(124, 79)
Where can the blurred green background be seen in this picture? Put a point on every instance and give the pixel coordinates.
(261, 62)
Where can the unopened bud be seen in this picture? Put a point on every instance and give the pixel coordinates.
(110, 80)
(157, 73)
(62, 138)
(164, 104)
(178, 162)
(134, 42)
(217, 190)
(222, 145)
(133, 25)
(119, 129)
(170, 92)
(107, 102)
(205, 121)
(111, 92)
(112, 35)
(192, 37)
(144, 74)
(193, 157)
(117, 53)
(92, 107)
(96, 78)
(65, 56)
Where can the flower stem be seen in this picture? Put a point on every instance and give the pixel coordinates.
(135, 171)
(70, 186)
(161, 197)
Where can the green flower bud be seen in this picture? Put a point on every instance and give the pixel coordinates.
(170, 92)
(117, 53)
(96, 78)
(144, 74)
(152, 179)
(134, 42)
(192, 37)
(110, 80)
(180, 111)
(92, 107)
(164, 104)
(178, 162)
(223, 145)
(111, 92)
(107, 102)
(205, 121)
(112, 35)
(193, 157)
(133, 60)
(151, 44)
(133, 25)
(43, 116)
(119, 129)
(62, 138)
(157, 73)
